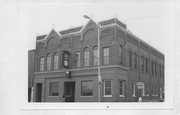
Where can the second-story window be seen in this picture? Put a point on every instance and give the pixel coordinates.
(77, 59)
(162, 70)
(86, 58)
(135, 61)
(142, 64)
(49, 62)
(152, 68)
(56, 62)
(130, 58)
(146, 65)
(106, 55)
(159, 70)
(41, 64)
(95, 56)
(155, 67)
(121, 54)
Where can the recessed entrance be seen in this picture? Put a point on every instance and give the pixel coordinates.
(69, 91)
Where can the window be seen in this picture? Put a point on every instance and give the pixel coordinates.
(48, 62)
(159, 70)
(86, 88)
(121, 88)
(130, 58)
(152, 68)
(142, 64)
(95, 56)
(77, 59)
(54, 89)
(105, 55)
(146, 65)
(133, 89)
(41, 64)
(56, 61)
(65, 59)
(107, 88)
(121, 54)
(86, 58)
(135, 61)
(162, 70)
(155, 67)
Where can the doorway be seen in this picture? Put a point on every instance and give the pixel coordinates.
(69, 91)
(38, 92)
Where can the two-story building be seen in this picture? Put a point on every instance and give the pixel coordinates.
(66, 65)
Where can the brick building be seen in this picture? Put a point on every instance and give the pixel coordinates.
(65, 67)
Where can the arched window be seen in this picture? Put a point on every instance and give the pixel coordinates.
(41, 67)
(106, 55)
(49, 62)
(56, 61)
(86, 57)
(95, 56)
(121, 54)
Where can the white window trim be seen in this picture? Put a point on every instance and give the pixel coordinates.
(104, 89)
(123, 95)
(107, 96)
(134, 90)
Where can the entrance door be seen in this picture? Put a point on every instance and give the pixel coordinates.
(38, 92)
(69, 91)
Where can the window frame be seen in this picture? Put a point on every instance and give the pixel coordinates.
(146, 60)
(135, 61)
(108, 87)
(106, 58)
(86, 57)
(121, 54)
(77, 63)
(95, 50)
(142, 64)
(50, 93)
(130, 58)
(42, 65)
(48, 62)
(123, 87)
(82, 88)
(56, 61)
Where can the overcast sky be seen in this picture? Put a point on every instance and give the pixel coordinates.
(150, 22)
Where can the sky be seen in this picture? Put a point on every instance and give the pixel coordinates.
(150, 22)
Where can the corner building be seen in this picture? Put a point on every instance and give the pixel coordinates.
(66, 65)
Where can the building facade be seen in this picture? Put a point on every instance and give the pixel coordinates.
(66, 65)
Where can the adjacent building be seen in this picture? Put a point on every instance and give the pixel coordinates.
(65, 65)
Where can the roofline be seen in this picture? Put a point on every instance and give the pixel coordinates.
(48, 35)
(126, 31)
